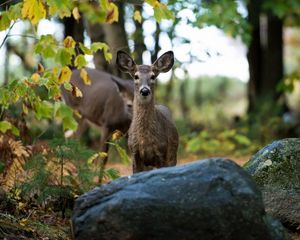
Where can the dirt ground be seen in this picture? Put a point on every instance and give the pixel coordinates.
(127, 170)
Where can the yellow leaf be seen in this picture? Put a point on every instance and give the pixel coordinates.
(76, 92)
(64, 75)
(116, 135)
(92, 158)
(85, 76)
(112, 14)
(69, 42)
(34, 10)
(102, 154)
(25, 109)
(137, 16)
(23, 222)
(76, 13)
(35, 77)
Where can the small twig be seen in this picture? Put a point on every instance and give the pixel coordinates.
(6, 2)
(6, 36)
(23, 35)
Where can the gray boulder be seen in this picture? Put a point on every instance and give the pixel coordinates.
(208, 199)
(276, 170)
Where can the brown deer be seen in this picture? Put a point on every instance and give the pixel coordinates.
(152, 136)
(106, 104)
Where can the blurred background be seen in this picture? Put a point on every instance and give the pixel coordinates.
(235, 84)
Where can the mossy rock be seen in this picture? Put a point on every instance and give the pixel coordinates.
(276, 170)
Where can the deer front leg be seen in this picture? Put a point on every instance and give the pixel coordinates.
(137, 164)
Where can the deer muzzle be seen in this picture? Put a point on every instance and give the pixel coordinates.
(145, 91)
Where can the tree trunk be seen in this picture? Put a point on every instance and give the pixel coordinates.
(96, 33)
(116, 38)
(138, 37)
(75, 29)
(265, 57)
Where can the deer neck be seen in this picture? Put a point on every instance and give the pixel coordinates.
(143, 114)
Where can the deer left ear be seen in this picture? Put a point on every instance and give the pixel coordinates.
(125, 62)
(164, 63)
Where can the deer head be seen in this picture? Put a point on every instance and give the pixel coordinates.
(144, 75)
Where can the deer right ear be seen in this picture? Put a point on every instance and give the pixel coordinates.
(125, 62)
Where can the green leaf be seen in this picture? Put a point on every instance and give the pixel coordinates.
(80, 61)
(64, 56)
(122, 153)
(65, 113)
(4, 21)
(104, 47)
(5, 125)
(68, 86)
(85, 49)
(162, 12)
(43, 109)
(46, 46)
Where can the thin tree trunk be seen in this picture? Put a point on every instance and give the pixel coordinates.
(254, 53)
(156, 41)
(138, 37)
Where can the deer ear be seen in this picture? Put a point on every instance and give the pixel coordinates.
(164, 63)
(125, 62)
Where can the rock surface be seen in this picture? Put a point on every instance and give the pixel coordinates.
(208, 199)
(276, 170)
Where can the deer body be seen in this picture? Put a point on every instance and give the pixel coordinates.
(153, 137)
(102, 103)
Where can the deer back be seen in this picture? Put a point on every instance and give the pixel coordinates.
(106, 101)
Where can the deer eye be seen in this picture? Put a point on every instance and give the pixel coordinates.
(136, 77)
(152, 77)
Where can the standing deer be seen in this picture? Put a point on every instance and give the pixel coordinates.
(153, 137)
(106, 103)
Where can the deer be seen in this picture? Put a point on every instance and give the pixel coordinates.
(106, 103)
(152, 136)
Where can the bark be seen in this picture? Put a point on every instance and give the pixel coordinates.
(116, 38)
(96, 33)
(156, 40)
(75, 29)
(139, 45)
(265, 57)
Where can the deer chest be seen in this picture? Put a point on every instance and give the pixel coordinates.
(147, 147)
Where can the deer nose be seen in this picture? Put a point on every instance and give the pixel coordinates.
(145, 91)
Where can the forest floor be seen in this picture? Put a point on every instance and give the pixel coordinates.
(49, 225)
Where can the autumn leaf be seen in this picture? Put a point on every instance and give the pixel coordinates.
(35, 77)
(64, 75)
(85, 77)
(112, 14)
(40, 69)
(76, 91)
(69, 42)
(34, 10)
(76, 13)
(116, 135)
(137, 16)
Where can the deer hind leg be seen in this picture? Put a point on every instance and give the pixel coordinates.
(103, 149)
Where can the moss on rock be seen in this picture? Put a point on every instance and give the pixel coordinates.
(277, 164)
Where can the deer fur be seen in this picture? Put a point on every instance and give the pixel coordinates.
(106, 104)
(152, 136)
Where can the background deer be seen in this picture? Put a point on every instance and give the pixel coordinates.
(106, 103)
(153, 137)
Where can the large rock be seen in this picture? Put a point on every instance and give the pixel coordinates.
(208, 199)
(276, 169)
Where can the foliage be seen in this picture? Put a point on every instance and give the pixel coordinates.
(227, 142)
(64, 54)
